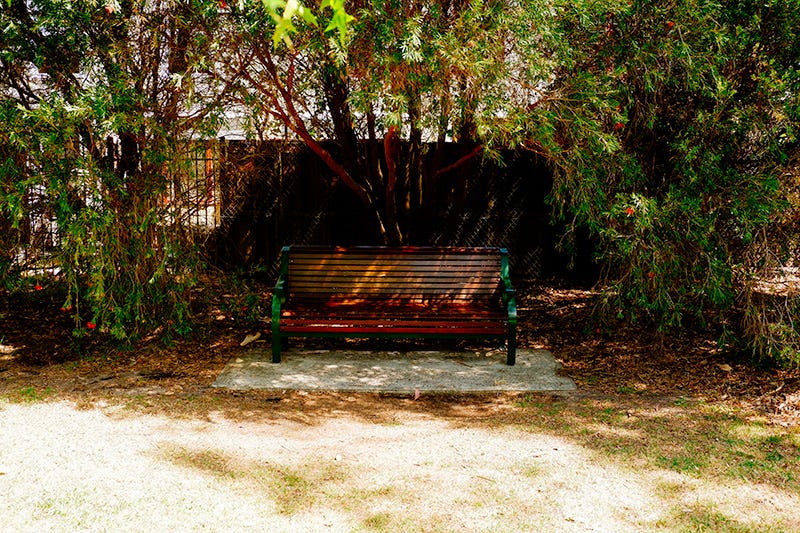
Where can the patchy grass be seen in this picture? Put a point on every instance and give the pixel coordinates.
(706, 518)
(293, 489)
(31, 394)
(692, 438)
(712, 466)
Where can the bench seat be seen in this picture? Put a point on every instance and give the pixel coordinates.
(406, 292)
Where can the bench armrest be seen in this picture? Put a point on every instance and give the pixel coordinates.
(509, 296)
(510, 304)
(279, 293)
(507, 291)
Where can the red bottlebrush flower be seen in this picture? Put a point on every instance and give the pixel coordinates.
(651, 275)
(630, 211)
(223, 4)
(38, 287)
(91, 325)
(670, 25)
(618, 126)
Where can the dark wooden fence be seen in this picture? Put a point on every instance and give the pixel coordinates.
(277, 193)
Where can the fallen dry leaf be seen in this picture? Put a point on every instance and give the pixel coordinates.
(250, 338)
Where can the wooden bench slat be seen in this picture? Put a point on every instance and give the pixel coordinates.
(389, 322)
(394, 321)
(377, 302)
(451, 271)
(393, 249)
(372, 269)
(351, 330)
(437, 274)
(489, 285)
(384, 286)
(393, 315)
(378, 296)
(394, 270)
(363, 298)
(391, 258)
(451, 306)
(395, 260)
(390, 253)
(410, 281)
(389, 283)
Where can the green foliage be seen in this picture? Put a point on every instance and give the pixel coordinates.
(242, 300)
(123, 254)
(672, 131)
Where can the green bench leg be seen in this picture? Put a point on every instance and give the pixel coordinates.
(511, 353)
(276, 348)
(277, 342)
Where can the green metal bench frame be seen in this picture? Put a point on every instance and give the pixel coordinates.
(373, 307)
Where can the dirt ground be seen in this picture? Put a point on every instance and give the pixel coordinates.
(139, 440)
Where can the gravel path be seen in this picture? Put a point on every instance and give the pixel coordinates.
(67, 469)
(110, 469)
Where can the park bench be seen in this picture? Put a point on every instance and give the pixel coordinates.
(394, 292)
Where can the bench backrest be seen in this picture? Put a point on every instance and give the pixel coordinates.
(412, 273)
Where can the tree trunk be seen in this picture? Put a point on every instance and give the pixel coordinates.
(415, 196)
(393, 235)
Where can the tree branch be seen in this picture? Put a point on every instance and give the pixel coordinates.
(449, 168)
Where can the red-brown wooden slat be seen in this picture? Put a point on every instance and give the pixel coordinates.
(411, 279)
(398, 273)
(378, 303)
(392, 289)
(326, 308)
(396, 249)
(393, 252)
(338, 270)
(388, 286)
(397, 311)
(460, 330)
(358, 316)
(390, 321)
(391, 263)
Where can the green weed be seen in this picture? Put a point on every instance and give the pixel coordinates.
(682, 463)
(30, 394)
